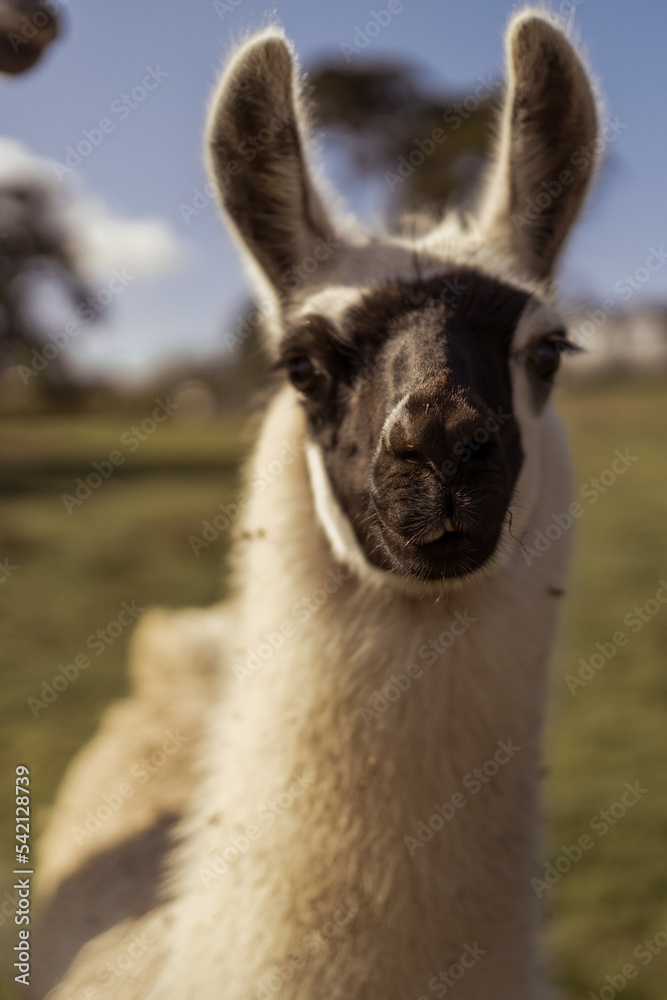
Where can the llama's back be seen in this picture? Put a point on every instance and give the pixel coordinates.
(102, 858)
(120, 964)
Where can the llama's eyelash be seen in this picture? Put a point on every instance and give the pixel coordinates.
(559, 340)
(564, 345)
(280, 365)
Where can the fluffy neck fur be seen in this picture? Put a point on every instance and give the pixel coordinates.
(335, 857)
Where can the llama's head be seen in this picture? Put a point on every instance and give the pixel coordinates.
(423, 366)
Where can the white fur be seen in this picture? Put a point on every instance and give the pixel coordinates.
(392, 419)
(331, 517)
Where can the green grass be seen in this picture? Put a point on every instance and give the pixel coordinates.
(612, 729)
(129, 541)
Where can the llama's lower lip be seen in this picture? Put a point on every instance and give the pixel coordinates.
(448, 537)
(446, 534)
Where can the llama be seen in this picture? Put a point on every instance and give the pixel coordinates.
(365, 816)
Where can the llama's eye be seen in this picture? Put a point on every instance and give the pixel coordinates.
(302, 374)
(545, 358)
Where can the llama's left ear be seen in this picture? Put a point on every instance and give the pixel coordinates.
(255, 148)
(546, 149)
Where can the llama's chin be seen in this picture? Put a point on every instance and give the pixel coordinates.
(450, 556)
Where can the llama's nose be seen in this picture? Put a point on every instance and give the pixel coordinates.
(442, 435)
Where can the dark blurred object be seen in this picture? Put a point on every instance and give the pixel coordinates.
(429, 146)
(27, 28)
(34, 248)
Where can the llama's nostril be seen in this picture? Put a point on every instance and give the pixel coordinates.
(449, 507)
(477, 450)
(409, 454)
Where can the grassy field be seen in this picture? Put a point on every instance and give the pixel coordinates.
(129, 542)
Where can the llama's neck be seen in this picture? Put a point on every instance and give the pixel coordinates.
(374, 771)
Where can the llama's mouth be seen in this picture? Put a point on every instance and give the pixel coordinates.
(451, 538)
(447, 553)
(422, 522)
(439, 533)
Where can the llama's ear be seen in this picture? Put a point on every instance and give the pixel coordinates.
(545, 154)
(255, 148)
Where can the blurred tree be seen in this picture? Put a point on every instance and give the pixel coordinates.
(31, 242)
(34, 249)
(27, 28)
(429, 146)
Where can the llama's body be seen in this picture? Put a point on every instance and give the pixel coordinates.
(340, 843)
(339, 848)
(104, 853)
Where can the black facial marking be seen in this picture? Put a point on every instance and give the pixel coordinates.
(411, 407)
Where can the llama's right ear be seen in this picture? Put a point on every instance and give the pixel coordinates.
(256, 157)
(546, 151)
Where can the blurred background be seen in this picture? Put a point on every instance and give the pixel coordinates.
(122, 295)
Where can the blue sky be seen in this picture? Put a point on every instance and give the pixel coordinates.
(149, 163)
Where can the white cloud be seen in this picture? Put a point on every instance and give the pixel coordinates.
(102, 241)
(17, 163)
